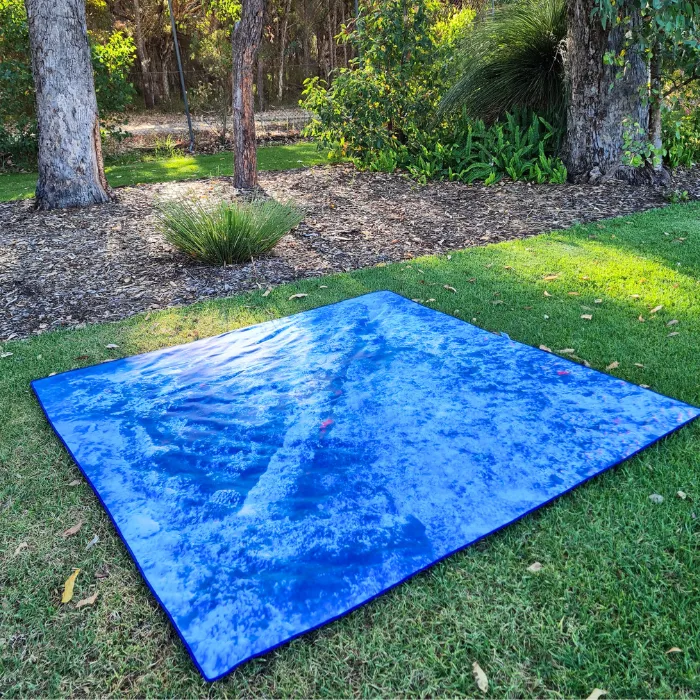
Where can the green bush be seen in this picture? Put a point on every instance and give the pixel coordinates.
(514, 60)
(228, 232)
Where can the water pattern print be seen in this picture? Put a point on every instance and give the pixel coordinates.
(272, 478)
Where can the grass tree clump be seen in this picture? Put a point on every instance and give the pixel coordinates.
(514, 60)
(227, 232)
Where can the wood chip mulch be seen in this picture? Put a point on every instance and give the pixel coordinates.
(67, 268)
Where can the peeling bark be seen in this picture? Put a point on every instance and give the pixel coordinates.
(599, 99)
(246, 40)
(71, 173)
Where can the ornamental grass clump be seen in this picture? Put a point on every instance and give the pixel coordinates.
(227, 232)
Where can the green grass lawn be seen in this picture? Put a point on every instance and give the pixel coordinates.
(22, 185)
(620, 583)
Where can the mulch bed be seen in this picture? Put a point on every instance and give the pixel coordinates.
(103, 263)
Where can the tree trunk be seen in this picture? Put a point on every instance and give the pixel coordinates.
(655, 105)
(246, 40)
(283, 48)
(144, 63)
(600, 100)
(70, 152)
(260, 85)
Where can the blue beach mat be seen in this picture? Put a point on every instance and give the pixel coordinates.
(271, 479)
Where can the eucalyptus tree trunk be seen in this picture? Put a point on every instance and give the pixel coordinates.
(601, 97)
(71, 173)
(246, 40)
(283, 49)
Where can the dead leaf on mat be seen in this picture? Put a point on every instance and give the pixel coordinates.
(68, 587)
(613, 365)
(87, 601)
(297, 296)
(73, 530)
(480, 677)
(535, 567)
(597, 692)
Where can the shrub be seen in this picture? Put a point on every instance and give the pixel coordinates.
(512, 60)
(228, 232)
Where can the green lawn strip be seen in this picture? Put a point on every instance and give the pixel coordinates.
(619, 585)
(22, 185)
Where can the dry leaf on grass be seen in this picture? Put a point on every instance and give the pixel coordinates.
(87, 601)
(545, 348)
(573, 294)
(480, 677)
(567, 351)
(297, 296)
(546, 293)
(323, 286)
(21, 546)
(671, 335)
(639, 364)
(681, 494)
(535, 567)
(613, 365)
(68, 587)
(267, 292)
(672, 323)
(597, 692)
(111, 346)
(448, 288)
(597, 301)
(3, 355)
(656, 498)
(641, 318)
(674, 650)
(656, 308)
(587, 317)
(92, 542)
(72, 530)
(549, 278)
(75, 482)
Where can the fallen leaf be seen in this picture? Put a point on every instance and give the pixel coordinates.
(598, 301)
(548, 278)
(427, 301)
(674, 650)
(267, 292)
(597, 692)
(546, 293)
(472, 280)
(656, 498)
(681, 494)
(93, 542)
(3, 355)
(641, 318)
(82, 357)
(672, 323)
(639, 364)
(567, 351)
(656, 308)
(68, 587)
(634, 296)
(448, 288)
(545, 348)
(111, 346)
(507, 267)
(21, 546)
(87, 601)
(573, 294)
(323, 286)
(587, 317)
(297, 296)
(480, 677)
(75, 482)
(535, 567)
(72, 530)
(644, 386)
(670, 335)
(613, 365)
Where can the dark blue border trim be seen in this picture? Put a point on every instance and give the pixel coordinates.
(388, 588)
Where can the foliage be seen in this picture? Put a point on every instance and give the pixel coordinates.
(681, 125)
(637, 149)
(228, 232)
(513, 59)
(111, 62)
